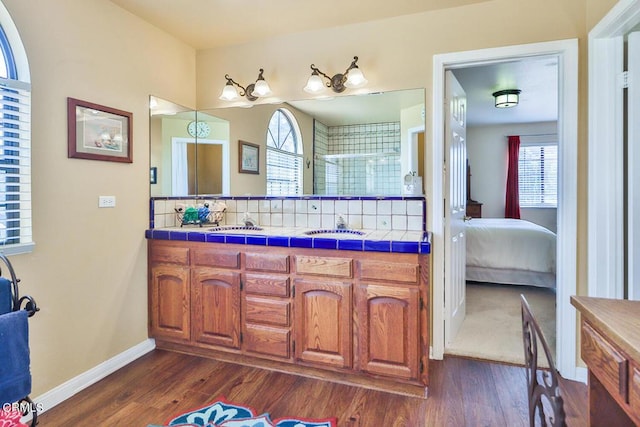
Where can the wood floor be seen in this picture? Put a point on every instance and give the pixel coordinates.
(152, 389)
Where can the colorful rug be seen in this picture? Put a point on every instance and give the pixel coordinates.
(222, 413)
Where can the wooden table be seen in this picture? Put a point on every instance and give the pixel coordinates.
(610, 347)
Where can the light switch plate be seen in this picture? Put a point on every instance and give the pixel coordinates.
(107, 201)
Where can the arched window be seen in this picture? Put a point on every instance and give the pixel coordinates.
(15, 141)
(284, 155)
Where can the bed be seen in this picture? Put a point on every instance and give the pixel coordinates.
(510, 251)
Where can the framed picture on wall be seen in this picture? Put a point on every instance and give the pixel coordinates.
(97, 132)
(248, 158)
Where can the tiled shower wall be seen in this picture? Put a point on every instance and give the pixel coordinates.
(360, 159)
(392, 213)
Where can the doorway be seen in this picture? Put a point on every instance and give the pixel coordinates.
(567, 53)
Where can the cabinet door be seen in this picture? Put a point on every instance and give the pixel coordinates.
(215, 300)
(388, 330)
(169, 301)
(323, 322)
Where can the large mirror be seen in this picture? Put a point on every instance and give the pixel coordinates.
(350, 145)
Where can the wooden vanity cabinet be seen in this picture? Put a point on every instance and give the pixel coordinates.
(347, 316)
(215, 297)
(388, 305)
(323, 322)
(389, 338)
(215, 307)
(169, 287)
(266, 305)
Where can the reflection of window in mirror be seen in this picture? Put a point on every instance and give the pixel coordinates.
(284, 155)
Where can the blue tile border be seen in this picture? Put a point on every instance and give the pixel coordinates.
(422, 247)
(377, 246)
(350, 245)
(277, 241)
(300, 242)
(196, 237)
(323, 243)
(404, 247)
(237, 239)
(257, 240)
(215, 238)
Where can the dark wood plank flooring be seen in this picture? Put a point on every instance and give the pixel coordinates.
(162, 384)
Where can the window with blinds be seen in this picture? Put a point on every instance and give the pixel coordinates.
(284, 155)
(538, 176)
(15, 150)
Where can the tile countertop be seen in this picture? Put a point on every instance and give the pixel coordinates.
(371, 240)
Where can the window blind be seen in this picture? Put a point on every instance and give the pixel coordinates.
(284, 173)
(538, 175)
(15, 166)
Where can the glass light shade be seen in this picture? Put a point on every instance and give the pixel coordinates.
(314, 84)
(355, 78)
(507, 98)
(261, 88)
(229, 92)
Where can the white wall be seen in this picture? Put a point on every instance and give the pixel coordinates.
(487, 150)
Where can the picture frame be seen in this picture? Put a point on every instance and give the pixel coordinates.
(96, 132)
(153, 175)
(248, 158)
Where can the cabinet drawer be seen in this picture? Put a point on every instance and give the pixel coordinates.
(267, 311)
(269, 341)
(216, 258)
(325, 266)
(265, 284)
(277, 263)
(607, 363)
(389, 271)
(170, 254)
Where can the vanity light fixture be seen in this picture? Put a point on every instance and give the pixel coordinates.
(252, 92)
(506, 98)
(352, 78)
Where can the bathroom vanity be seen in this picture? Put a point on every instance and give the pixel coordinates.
(290, 304)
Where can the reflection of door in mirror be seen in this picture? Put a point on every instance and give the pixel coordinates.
(173, 152)
(198, 167)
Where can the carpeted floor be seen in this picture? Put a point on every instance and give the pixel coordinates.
(492, 329)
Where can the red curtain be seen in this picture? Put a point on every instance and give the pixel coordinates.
(512, 200)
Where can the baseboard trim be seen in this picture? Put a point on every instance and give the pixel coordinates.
(75, 385)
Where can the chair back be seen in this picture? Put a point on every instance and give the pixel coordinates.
(545, 400)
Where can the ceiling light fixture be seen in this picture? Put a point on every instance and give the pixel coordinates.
(507, 98)
(252, 92)
(352, 78)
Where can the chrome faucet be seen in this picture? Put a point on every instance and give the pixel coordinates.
(248, 221)
(341, 224)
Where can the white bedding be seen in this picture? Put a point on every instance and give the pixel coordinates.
(504, 250)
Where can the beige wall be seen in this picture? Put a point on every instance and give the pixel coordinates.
(88, 270)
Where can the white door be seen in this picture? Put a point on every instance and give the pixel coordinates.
(633, 165)
(455, 206)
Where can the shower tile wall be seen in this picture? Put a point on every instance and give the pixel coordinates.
(320, 149)
(361, 159)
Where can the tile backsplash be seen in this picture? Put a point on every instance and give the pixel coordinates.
(373, 213)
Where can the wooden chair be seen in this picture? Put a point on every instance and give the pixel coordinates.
(545, 401)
